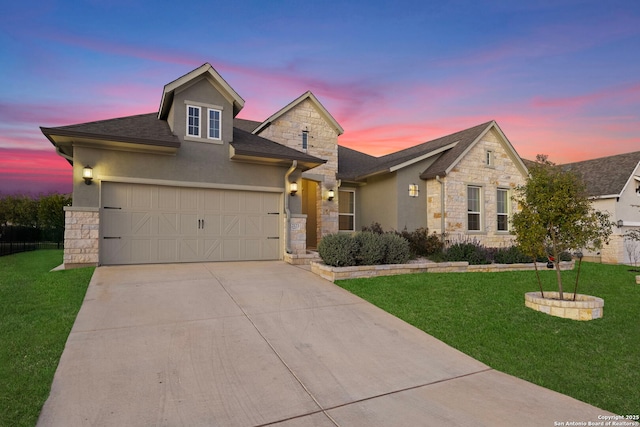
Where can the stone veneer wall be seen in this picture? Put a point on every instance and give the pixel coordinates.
(322, 143)
(81, 236)
(471, 170)
(615, 251)
(298, 235)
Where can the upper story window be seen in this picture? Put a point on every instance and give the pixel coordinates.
(488, 158)
(193, 120)
(502, 209)
(474, 207)
(346, 210)
(214, 123)
(305, 139)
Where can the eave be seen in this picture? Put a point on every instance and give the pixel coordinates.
(65, 141)
(238, 154)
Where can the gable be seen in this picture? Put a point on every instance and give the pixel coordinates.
(469, 138)
(309, 97)
(445, 153)
(205, 71)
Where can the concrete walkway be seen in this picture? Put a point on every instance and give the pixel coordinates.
(267, 343)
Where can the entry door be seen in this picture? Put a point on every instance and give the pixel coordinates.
(310, 208)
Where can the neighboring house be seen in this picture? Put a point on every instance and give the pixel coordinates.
(614, 184)
(194, 183)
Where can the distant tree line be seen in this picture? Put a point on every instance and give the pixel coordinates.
(36, 219)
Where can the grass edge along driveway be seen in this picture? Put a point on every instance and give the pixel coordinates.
(37, 311)
(484, 316)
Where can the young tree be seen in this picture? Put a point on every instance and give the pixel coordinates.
(556, 216)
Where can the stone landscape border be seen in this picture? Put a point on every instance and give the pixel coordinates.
(363, 271)
(585, 307)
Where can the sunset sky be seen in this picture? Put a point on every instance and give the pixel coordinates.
(560, 77)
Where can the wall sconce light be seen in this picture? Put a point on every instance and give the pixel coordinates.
(293, 188)
(620, 223)
(87, 175)
(414, 190)
(330, 195)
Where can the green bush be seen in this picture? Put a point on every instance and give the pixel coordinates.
(338, 250)
(422, 243)
(364, 248)
(510, 255)
(396, 249)
(472, 252)
(371, 248)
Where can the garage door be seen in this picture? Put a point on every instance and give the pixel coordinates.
(158, 224)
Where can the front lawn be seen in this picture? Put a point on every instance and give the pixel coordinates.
(37, 310)
(484, 316)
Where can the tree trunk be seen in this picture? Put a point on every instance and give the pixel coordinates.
(535, 266)
(559, 277)
(575, 289)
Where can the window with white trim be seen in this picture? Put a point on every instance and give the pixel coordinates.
(502, 208)
(473, 208)
(214, 123)
(488, 158)
(305, 139)
(193, 120)
(346, 210)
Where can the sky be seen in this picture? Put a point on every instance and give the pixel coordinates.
(560, 77)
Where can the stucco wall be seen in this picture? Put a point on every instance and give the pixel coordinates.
(198, 160)
(472, 170)
(377, 202)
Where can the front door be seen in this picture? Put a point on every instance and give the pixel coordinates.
(310, 208)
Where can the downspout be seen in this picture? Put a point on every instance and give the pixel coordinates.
(442, 223)
(287, 231)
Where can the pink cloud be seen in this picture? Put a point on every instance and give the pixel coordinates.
(625, 94)
(33, 172)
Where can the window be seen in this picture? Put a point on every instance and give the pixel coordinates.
(193, 120)
(305, 139)
(473, 208)
(214, 124)
(503, 209)
(488, 158)
(346, 210)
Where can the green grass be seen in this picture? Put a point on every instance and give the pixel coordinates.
(484, 316)
(37, 310)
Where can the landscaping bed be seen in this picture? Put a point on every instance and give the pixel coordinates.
(363, 271)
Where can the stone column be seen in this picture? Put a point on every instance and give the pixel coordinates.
(81, 236)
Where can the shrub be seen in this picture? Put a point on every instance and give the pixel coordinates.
(364, 248)
(375, 227)
(510, 255)
(422, 243)
(370, 248)
(338, 250)
(472, 252)
(396, 249)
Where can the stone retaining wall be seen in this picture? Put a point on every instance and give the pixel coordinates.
(585, 307)
(340, 273)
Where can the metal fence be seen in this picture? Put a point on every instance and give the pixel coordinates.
(14, 239)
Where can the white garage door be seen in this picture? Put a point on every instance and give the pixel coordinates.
(158, 224)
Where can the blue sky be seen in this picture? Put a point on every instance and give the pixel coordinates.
(560, 77)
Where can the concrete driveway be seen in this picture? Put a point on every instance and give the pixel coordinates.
(267, 343)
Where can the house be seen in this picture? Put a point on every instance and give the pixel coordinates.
(191, 182)
(613, 183)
